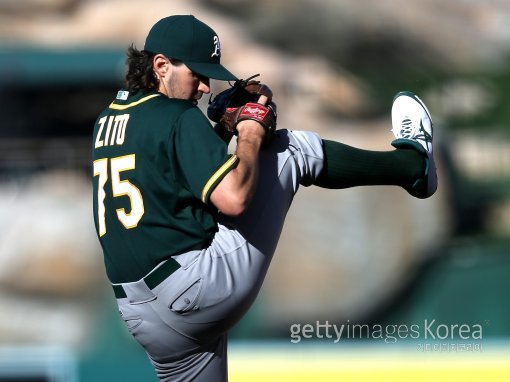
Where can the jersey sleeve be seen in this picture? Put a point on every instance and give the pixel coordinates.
(201, 154)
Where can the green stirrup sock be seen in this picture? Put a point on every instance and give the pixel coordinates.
(346, 166)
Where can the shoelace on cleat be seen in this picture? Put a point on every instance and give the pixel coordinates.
(407, 127)
(423, 135)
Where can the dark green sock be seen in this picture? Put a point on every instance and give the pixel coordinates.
(346, 166)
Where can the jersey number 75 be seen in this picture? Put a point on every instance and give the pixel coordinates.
(119, 188)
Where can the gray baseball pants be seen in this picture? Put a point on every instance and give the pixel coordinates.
(183, 322)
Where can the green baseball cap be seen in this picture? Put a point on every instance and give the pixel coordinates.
(189, 40)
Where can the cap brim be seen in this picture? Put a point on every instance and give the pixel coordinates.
(214, 71)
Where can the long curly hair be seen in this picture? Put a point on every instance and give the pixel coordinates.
(140, 74)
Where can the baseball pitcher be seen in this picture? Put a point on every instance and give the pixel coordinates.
(187, 230)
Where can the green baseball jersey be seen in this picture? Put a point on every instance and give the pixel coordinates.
(155, 163)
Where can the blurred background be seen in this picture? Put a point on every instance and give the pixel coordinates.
(367, 256)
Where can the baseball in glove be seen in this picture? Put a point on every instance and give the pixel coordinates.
(239, 103)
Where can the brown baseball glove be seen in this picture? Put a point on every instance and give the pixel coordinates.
(239, 103)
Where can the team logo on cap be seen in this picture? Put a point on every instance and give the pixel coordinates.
(217, 48)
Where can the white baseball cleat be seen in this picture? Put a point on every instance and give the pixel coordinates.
(413, 129)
